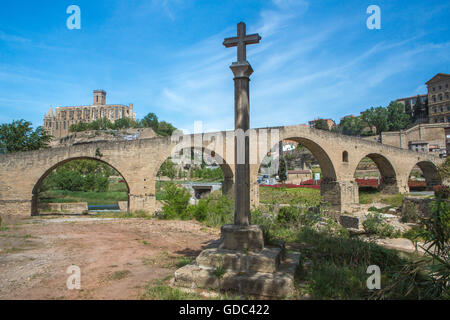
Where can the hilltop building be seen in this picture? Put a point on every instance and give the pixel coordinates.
(439, 98)
(59, 124)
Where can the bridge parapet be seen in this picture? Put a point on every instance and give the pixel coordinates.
(138, 161)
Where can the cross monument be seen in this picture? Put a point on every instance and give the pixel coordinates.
(242, 71)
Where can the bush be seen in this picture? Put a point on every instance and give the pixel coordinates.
(375, 224)
(176, 201)
(428, 277)
(410, 214)
(338, 265)
(287, 216)
(214, 211)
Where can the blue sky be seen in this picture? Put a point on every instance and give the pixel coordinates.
(316, 58)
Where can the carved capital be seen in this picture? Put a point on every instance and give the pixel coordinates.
(241, 69)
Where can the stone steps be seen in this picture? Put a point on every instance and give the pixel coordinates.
(272, 278)
(266, 260)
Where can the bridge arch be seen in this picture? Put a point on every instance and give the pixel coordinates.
(329, 186)
(430, 173)
(38, 183)
(388, 176)
(325, 163)
(209, 156)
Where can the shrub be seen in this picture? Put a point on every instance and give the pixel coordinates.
(375, 224)
(176, 201)
(423, 278)
(339, 265)
(199, 211)
(410, 213)
(287, 216)
(220, 210)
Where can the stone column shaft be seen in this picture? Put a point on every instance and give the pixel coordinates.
(242, 72)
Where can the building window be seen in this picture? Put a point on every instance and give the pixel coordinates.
(440, 97)
(442, 120)
(435, 120)
(434, 89)
(440, 87)
(434, 98)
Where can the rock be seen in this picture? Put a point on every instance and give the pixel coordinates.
(350, 222)
(397, 244)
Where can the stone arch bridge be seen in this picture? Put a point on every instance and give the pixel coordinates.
(138, 162)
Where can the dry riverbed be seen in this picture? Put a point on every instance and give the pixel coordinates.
(118, 258)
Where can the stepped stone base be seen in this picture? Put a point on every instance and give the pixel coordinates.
(263, 273)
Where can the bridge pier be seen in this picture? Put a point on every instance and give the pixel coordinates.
(138, 202)
(16, 207)
(340, 195)
(432, 183)
(228, 187)
(389, 185)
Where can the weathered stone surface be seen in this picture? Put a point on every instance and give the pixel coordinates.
(350, 222)
(72, 208)
(138, 162)
(123, 205)
(266, 260)
(418, 207)
(239, 237)
(277, 285)
(397, 244)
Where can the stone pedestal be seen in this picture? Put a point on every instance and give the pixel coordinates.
(240, 263)
(237, 237)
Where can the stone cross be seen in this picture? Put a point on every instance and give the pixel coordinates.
(242, 71)
(241, 42)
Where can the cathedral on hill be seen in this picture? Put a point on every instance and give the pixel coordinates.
(58, 124)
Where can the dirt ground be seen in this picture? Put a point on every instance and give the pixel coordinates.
(118, 258)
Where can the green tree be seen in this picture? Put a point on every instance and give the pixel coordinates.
(376, 118)
(125, 123)
(79, 127)
(167, 169)
(352, 126)
(79, 175)
(150, 121)
(398, 119)
(282, 171)
(165, 129)
(20, 136)
(101, 124)
(321, 124)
